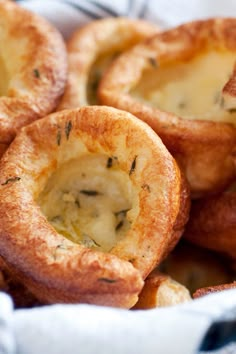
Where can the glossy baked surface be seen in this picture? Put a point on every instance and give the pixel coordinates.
(103, 167)
(92, 48)
(182, 83)
(33, 69)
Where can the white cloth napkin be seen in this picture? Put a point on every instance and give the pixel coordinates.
(67, 15)
(85, 329)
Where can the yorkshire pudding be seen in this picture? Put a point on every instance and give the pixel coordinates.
(212, 223)
(86, 215)
(91, 49)
(33, 69)
(160, 290)
(182, 82)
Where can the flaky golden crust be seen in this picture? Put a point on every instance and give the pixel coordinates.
(212, 223)
(203, 149)
(160, 291)
(105, 37)
(74, 273)
(34, 57)
(213, 289)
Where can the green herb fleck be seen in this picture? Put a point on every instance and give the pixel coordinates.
(58, 247)
(231, 110)
(61, 247)
(107, 280)
(11, 179)
(36, 73)
(90, 193)
(153, 62)
(120, 215)
(119, 225)
(97, 244)
(121, 212)
(56, 218)
(77, 203)
(109, 162)
(182, 105)
(222, 102)
(68, 127)
(217, 97)
(146, 187)
(133, 166)
(87, 241)
(59, 137)
(132, 260)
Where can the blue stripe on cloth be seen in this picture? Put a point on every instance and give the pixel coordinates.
(107, 9)
(83, 10)
(219, 335)
(129, 7)
(89, 8)
(143, 9)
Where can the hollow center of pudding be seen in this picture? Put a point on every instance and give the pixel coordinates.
(96, 73)
(4, 80)
(190, 89)
(88, 200)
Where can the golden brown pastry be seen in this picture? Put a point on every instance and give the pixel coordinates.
(212, 223)
(196, 267)
(160, 290)
(182, 83)
(213, 289)
(92, 48)
(91, 200)
(33, 69)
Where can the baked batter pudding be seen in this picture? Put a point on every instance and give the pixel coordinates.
(160, 290)
(212, 223)
(191, 89)
(33, 69)
(95, 201)
(91, 49)
(182, 83)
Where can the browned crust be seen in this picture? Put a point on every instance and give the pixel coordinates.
(35, 57)
(213, 289)
(203, 149)
(3, 148)
(74, 273)
(90, 42)
(148, 296)
(161, 290)
(212, 223)
(183, 216)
